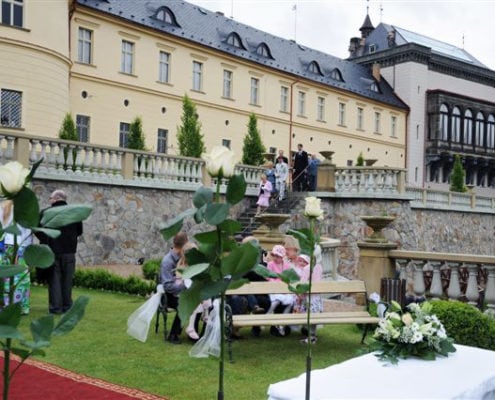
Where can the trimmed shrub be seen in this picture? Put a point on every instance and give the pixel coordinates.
(104, 280)
(151, 268)
(465, 324)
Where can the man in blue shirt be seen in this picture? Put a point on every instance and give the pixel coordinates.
(313, 172)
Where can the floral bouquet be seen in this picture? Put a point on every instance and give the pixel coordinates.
(412, 333)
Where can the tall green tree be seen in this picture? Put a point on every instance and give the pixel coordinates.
(136, 135)
(457, 179)
(253, 148)
(189, 137)
(68, 129)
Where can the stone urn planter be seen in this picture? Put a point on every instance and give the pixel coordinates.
(377, 223)
(328, 156)
(370, 161)
(269, 233)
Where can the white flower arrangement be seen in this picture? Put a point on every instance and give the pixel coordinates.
(412, 333)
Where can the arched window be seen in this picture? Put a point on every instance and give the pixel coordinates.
(479, 129)
(314, 68)
(234, 40)
(490, 132)
(456, 125)
(468, 127)
(164, 14)
(264, 51)
(444, 122)
(337, 75)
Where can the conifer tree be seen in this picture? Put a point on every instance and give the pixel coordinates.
(253, 148)
(68, 129)
(135, 140)
(360, 160)
(189, 137)
(458, 176)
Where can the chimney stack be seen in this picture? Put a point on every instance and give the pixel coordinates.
(376, 71)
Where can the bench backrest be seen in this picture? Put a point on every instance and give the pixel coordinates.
(355, 286)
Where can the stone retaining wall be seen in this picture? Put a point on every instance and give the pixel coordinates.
(124, 225)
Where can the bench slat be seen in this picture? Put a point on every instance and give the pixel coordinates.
(355, 286)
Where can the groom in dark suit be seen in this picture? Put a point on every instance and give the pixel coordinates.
(299, 176)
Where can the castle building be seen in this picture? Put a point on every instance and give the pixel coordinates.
(451, 99)
(109, 61)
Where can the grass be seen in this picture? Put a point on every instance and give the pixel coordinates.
(100, 347)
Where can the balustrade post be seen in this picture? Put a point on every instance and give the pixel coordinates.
(436, 289)
(490, 287)
(472, 292)
(454, 289)
(419, 279)
(21, 151)
(128, 165)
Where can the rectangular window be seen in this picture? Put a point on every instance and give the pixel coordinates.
(226, 143)
(164, 67)
(84, 46)
(360, 113)
(301, 103)
(284, 99)
(124, 134)
(227, 84)
(197, 82)
(82, 127)
(342, 114)
(320, 109)
(255, 87)
(161, 142)
(393, 126)
(127, 60)
(273, 150)
(10, 108)
(11, 13)
(377, 122)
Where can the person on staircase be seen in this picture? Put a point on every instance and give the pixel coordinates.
(264, 193)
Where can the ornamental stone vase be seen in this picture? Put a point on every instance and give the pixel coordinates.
(377, 223)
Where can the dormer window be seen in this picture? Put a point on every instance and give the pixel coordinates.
(314, 68)
(374, 87)
(336, 75)
(165, 15)
(234, 40)
(372, 48)
(264, 51)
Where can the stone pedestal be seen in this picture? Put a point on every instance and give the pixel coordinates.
(374, 264)
(269, 233)
(325, 180)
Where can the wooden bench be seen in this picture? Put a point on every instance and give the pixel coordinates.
(325, 289)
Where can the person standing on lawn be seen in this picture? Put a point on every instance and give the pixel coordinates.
(64, 247)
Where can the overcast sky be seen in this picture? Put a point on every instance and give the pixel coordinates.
(327, 25)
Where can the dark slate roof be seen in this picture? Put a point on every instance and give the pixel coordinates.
(211, 29)
(379, 37)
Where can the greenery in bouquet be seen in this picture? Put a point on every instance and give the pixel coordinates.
(14, 186)
(414, 332)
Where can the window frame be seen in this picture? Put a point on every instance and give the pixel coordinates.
(254, 91)
(84, 46)
(468, 127)
(228, 76)
(197, 76)
(378, 122)
(320, 108)
(164, 66)
(301, 103)
(15, 13)
(10, 104)
(393, 126)
(127, 57)
(162, 141)
(83, 127)
(227, 143)
(341, 114)
(284, 98)
(124, 132)
(360, 118)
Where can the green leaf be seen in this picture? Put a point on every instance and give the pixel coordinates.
(214, 289)
(194, 270)
(11, 315)
(304, 236)
(194, 256)
(202, 196)
(238, 283)
(236, 189)
(42, 328)
(26, 208)
(300, 288)
(261, 270)
(230, 226)
(289, 276)
(13, 229)
(6, 271)
(241, 260)
(199, 216)
(39, 256)
(188, 301)
(207, 237)
(57, 217)
(216, 213)
(72, 317)
(9, 332)
(34, 167)
(53, 233)
(173, 226)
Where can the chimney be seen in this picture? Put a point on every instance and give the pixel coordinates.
(376, 71)
(353, 46)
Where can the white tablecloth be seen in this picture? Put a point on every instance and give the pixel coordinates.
(469, 373)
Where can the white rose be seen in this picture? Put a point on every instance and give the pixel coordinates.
(12, 177)
(313, 208)
(220, 162)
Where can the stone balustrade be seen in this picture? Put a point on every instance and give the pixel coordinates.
(369, 181)
(330, 257)
(465, 277)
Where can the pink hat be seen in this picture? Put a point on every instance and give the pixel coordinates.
(305, 258)
(278, 250)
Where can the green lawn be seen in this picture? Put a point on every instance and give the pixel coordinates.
(100, 347)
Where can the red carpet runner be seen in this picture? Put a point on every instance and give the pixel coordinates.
(39, 380)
